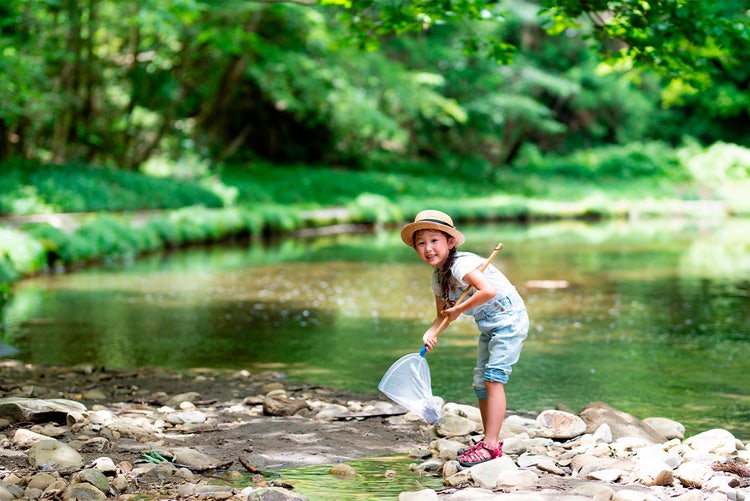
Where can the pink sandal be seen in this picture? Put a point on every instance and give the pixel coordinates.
(472, 447)
(474, 456)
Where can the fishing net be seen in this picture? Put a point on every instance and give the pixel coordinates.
(407, 382)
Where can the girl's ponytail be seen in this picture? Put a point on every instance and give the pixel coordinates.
(444, 278)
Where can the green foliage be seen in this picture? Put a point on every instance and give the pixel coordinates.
(633, 161)
(32, 188)
(21, 252)
(687, 39)
(721, 170)
(604, 182)
(212, 82)
(199, 224)
(321, 186)
(701, 49)
(8, 275)
(370, 208)
(719, 163)
(278, 219)
(108, 237)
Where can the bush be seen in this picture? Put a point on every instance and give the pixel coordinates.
(61, 246)
(24, 253)
(628, 162)
(375, 209)
(32, 188)
(8, 273)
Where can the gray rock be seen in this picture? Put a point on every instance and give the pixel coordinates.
(274, 494)
(667, 427)
(517, 481)
(24, 439)
(466, 411)
(11, 454)
(620, 423)
(429, 467)
(95, 444)
(452, 425)
(281, 405)
(423, 495)
(120, 483)
(446, 448)
(16, 409)
(10, 491)
(693, 474)
(342, 470)
(584, 464)
(33, 493)
(105, 465)
(157, 473)
(560, 425)
(652, 471)
(190, 396)
(192, 458)
(41, 481)
(50, 430)
(192, 416)
(485, 474)
(95, 394)
(54, 455)
(93, 477)
(716, 441)
(83, 492)
(603, 434)
(541, 462)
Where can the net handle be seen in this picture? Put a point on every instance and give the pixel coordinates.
(499, 247)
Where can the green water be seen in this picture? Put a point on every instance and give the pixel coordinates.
(650, 317)
(375, 479)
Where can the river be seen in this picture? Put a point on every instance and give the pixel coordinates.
(652, 317)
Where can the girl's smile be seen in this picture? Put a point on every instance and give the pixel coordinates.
(433, 246)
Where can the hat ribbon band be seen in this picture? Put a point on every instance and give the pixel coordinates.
(438, 221)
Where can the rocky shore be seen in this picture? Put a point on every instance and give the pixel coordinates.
(91, 433)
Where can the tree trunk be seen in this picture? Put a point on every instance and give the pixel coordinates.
(213, 118)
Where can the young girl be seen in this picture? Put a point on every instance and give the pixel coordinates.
(498, 310)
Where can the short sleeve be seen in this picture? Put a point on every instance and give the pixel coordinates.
(465, 264)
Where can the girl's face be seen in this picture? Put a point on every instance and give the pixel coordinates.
(433, 246)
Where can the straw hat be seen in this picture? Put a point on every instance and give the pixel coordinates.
(431, 220)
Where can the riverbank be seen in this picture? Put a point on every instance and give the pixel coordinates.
(158, 434)
(40, 243)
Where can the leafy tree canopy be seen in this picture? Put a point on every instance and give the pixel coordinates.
(119, 83)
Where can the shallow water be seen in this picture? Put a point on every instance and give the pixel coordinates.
(376, 478)
(650, 317)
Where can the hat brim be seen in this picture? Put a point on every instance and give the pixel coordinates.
(408, 231)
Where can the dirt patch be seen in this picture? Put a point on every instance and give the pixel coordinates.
(241, 434)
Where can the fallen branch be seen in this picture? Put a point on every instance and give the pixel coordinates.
(731, 466)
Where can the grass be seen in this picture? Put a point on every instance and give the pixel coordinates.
(260, 199)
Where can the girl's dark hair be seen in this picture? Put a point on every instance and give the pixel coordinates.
(444, 277)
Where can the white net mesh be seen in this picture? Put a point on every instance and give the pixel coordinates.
(407, 382)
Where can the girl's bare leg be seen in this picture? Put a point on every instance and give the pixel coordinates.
(493, 413)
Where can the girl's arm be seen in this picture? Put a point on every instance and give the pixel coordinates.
(483, 293)
(430, 336)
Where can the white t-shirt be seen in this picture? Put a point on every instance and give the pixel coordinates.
(465, 263)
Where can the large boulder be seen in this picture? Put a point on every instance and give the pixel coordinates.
(620, 423)
(36, 410)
